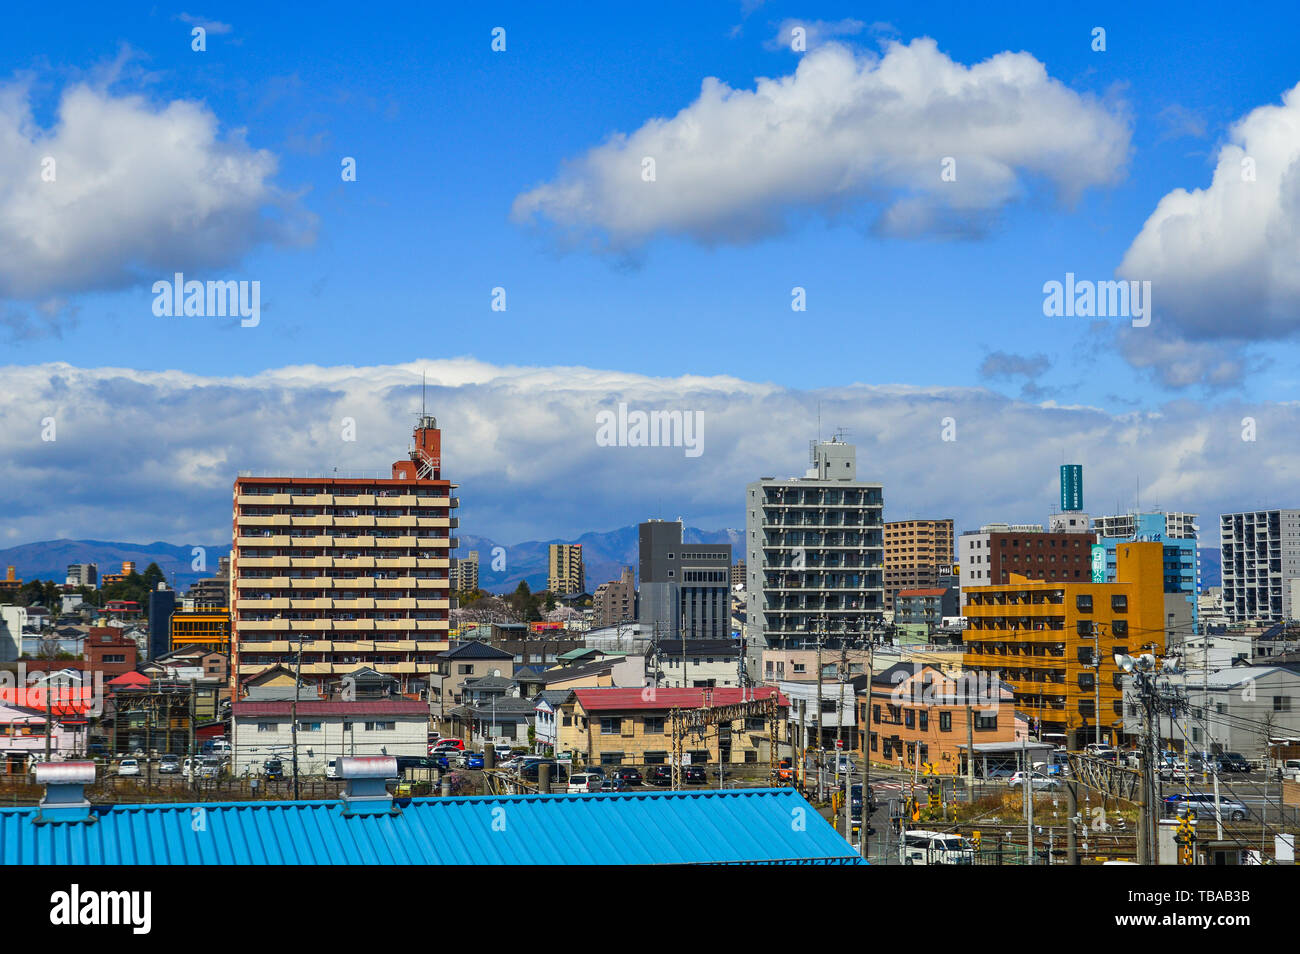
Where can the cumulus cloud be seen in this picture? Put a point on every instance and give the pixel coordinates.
(208, 24)
(121, 191)
(1224, 261)
(845, 130)
(521, 443)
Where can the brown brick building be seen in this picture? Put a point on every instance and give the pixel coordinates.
(915, 550)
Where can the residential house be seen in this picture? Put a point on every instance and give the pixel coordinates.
(327, 729)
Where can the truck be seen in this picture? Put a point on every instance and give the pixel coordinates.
(920, 847)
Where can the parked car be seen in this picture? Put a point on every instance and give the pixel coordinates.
(1000, 772)
(595, 770)
(1291, 769)
(169, 765)
(530, 771)
(584, 783)
(128, 767)
(449, 745)
(629, 775)
(1038, 781)
(405, 762)
(332, 768)
(612, 785)
(273, 768)
(695, 774)
(1201, 805)
(473, 760)
(659, 775)
(210, 766)
(1233, 762)
(1099, 750)
(785, 771)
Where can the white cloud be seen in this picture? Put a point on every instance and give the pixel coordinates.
(1224, 261)
(845, 129)
(816, 32)
(138, 191)
(142, 456)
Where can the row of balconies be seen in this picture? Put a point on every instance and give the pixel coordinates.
(341, 563)
(326, 625)
(338, 582)
(255, 645)
(406, 542)
(343, 500)
(257, 603)
(326, 520)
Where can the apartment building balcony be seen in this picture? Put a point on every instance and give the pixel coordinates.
(351, 522)
(264, 520)
(264, 563)
(256, 541)
(262, 500)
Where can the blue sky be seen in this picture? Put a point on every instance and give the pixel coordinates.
(448, 134)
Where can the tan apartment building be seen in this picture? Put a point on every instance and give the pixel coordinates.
(915, 714)
(614, 727)
(353, 571)
(615, 601)
(915, 552)
(800, 665)
(565, 573)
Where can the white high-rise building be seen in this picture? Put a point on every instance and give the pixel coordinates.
(814, 553)
(1261, 558)
(1178, 525)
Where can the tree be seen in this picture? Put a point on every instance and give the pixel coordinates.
(153, 575)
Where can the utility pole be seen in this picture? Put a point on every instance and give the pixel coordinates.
(820, 773)
(190, 748)
(49, 712)
(970, 754)
(1072, 809)
(293, 715)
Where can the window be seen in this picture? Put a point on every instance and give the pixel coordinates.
(1281, 703)
(1083, 627)
(653, 725)
(945, 721)
(656, 758)
(986, 723)
(875, 713)
(1083, 603)
(380, 726)
(1119, 604)
(1119, 627)
(924, 720)
(611, 758)
(909, 718)
(267, 726)
(610, 726)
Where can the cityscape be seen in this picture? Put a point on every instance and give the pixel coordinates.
(688, 437)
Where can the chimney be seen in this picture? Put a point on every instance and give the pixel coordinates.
(65, 792)
(366, 791)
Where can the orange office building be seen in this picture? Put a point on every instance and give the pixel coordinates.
(1040, 638)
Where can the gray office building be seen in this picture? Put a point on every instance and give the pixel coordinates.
(815, 554)
(685, 587)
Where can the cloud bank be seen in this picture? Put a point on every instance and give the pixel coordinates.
(144, 456)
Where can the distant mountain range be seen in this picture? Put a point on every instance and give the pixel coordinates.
(49, 559)
(604, 556)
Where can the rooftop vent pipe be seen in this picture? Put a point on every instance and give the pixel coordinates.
(366, 790)
(65, 792)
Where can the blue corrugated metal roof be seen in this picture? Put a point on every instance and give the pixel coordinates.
(696, 827)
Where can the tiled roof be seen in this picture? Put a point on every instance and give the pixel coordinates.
(332, 708)
(475, 650)
(697, 827)
(593, 700)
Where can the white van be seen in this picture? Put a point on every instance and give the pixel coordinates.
(331, 768)
(582, 784)
(934, 848)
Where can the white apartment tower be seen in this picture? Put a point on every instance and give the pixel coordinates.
(815, 553)
(1261, 565)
